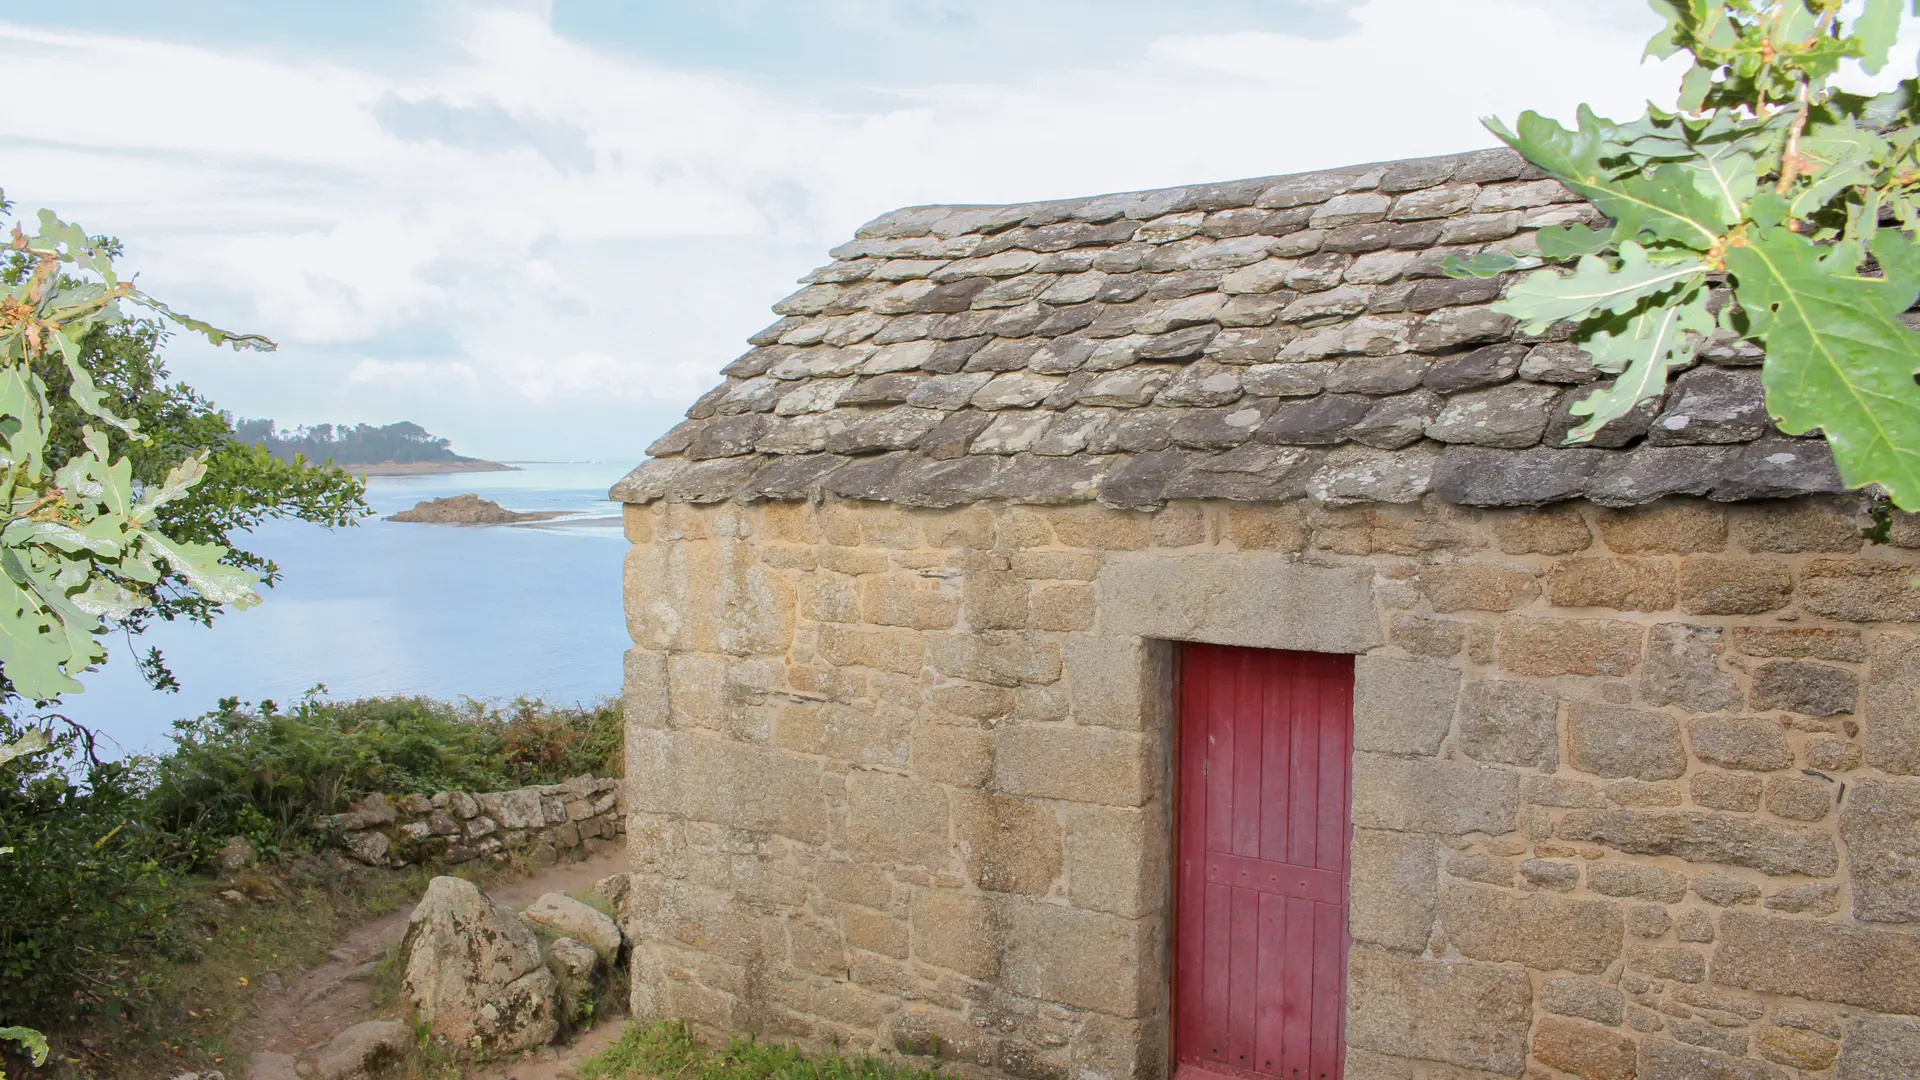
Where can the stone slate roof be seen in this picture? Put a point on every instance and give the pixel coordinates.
(1265, 340)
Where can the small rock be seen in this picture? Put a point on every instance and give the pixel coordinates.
(576, 967)
(365, 1050)
(567, 917)
(233, 896)
(369, 847)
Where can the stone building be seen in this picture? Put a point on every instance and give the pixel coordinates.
(1605, 761)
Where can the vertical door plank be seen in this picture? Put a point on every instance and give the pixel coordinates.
(1296, 982)
(1243, 984)
(1269, 1035)
(1220, 752)
(1248, 678)
(1276, 768)
(1304, 789)
(1331, 841)
(1329, 988)
(1213, 1031)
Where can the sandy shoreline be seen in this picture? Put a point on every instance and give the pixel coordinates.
(426, 468)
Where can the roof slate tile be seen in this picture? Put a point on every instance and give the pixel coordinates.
(1205, 342)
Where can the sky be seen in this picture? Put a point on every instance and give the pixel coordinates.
(540, 228)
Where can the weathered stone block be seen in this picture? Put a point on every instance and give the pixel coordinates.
(1800, 798)
(1881, 828)
(1889, 722)
(1009, 845)
(1804, 687)
(1632, 879)
(1391, 889)
(956, 930)
(1547, 530)
(948, 754)
(1584, 1050)
(754, 788)
(1116, 858)
(854, 883)
(1683, 669)
(1617, 583)
(1511, 722)
(1823, 961)
(1584, 998)
(1664, 1059)
(1477, 587)
(1463, 1013)
(1111, 680)
(1079, 764)
(1733, 586)
(1880, 1048)
(1857, 591)
(1402, 706)
(1675, 527)
(996, 657)
(1617, 741)
(897, 819)
(1718, 790)
(1079, 958)
(1542, 931)
(1800, 1049)
(1254, 599)
(1740, 743)
(1430, 795)
(1545, 647)
(1706, 837)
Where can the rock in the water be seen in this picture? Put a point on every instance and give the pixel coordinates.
(467, 510)
(473, 971)
(577, 968)
(567, 917)
(369, 1049)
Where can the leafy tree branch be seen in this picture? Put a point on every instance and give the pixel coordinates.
(1800, 198)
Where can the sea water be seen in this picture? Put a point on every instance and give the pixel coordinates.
(487, 611)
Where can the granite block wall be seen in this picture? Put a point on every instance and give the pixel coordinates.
(1636, 792)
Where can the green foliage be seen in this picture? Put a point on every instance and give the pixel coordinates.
(1770, 182)
(83, 541)
(244, 485)
(268, 775)
(91, 896)
(667, 1050)
(84, 893)
(28, 1040)
(361, 444)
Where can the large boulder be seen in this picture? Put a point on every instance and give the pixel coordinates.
(474, 973)
(564, 916)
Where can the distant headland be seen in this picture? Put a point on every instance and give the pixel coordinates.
(401, 449)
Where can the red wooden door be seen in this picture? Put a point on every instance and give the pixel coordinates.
(1260, 905)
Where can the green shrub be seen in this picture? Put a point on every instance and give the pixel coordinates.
(85, 893)
(93, 890)
(268, 775)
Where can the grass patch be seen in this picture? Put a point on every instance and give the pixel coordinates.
(668, 1051)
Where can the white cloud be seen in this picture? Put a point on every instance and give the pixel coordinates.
(566, 226)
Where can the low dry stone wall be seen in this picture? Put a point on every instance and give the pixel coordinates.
(547, 821)
(1636, 793)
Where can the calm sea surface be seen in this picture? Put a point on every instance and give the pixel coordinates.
(491, 611)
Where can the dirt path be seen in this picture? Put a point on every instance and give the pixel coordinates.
(321, 1001)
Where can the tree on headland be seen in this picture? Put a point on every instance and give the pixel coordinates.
(339, 444)
(1801, 199)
